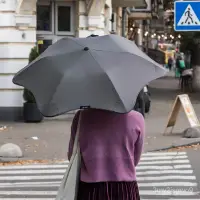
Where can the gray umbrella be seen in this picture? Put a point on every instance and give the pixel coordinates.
(105, 72)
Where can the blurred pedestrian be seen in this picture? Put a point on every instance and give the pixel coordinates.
(111, 145)
(180, 64)
(170, 63)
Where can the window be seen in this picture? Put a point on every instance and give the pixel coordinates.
(64, 19)
(55, 18)
(44, 17)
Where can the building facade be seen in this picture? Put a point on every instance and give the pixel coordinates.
(25, 23)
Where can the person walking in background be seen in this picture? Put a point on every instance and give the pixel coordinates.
(170, 63)
(111, 145)
(180, 64)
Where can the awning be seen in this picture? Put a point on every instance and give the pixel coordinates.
(129, 3)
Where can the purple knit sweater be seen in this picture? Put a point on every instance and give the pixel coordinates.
(111, 144)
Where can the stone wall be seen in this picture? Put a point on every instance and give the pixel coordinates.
(90, 23)
(17, 37)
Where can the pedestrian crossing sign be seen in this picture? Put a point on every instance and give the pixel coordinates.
(187, 15)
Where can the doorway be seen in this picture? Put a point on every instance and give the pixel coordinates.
(55, 20)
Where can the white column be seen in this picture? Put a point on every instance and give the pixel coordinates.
(89, 24)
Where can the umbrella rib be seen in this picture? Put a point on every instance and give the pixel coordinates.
(157, 64)
(108, 78)
(62, 75)
(77, 42)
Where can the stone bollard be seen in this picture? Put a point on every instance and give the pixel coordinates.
(10, 152)
(192, 132)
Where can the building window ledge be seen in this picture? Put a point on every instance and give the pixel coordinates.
(24, 21)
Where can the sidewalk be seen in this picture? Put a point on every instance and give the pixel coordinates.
(164, 92)
(155, 126)
(49, 140)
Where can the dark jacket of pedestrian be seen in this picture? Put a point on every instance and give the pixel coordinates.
(140, 103)
(170, 63)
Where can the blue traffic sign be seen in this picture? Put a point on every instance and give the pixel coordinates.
(187, 15)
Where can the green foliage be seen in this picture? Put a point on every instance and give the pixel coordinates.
(33, 54)
(28, 95)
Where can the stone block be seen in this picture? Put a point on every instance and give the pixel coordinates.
(10, 150)
(192, 132)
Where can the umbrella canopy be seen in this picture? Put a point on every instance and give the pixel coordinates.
(104, 72)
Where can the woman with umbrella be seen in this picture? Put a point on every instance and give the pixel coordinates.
(111, 146)
(105, 74)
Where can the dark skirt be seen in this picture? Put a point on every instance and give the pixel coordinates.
(109, 191)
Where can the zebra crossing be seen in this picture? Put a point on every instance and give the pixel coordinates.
(160, 175)
(166, 175)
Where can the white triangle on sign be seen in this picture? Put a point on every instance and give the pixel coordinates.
(189, 18)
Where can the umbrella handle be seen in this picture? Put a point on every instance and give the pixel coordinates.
(84, 107)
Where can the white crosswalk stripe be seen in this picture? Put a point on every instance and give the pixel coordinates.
(160, 175)
(166, 175)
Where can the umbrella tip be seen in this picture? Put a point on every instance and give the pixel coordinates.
(86, 49)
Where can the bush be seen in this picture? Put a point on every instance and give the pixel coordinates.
(33, 54)
(28, 95)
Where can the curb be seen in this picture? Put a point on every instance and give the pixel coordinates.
(7, 160)
(175, 146)
(21, 162)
